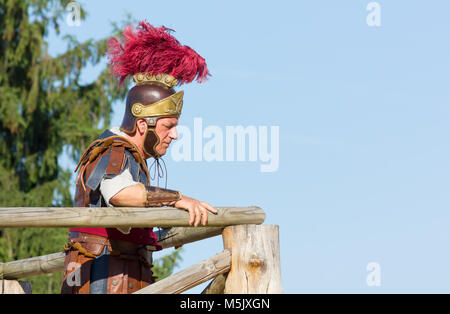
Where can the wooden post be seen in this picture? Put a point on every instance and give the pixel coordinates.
(255, 259)
(216, 286)
(14, 287)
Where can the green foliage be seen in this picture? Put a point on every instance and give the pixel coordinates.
(44, 108)
(18, 244)
(164, 266)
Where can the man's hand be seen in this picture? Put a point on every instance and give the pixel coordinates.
(198, 211)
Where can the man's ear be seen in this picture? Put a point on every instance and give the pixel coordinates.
(141, 126)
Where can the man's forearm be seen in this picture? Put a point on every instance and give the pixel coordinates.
(140, 195)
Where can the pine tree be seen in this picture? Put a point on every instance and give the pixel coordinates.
(44, 108)
(163, 267)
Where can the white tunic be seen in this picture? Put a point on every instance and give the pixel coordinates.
(110, 187)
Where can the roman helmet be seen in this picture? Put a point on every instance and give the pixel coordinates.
(158, 63)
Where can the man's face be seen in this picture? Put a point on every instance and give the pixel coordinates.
(166, 129)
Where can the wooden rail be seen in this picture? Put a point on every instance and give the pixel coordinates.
(192, 276)
(55, 262)
(121, 217)
(250, 262)
(34, 266)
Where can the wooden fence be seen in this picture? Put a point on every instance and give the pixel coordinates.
(249, 262)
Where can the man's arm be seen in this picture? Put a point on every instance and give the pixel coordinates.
(140, 195)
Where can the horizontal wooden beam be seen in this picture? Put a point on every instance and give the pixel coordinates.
(192, 276)
(33, 266)
(45, 264)
(110, 217)
(177, 236)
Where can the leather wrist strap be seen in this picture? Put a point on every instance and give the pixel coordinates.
(156, 197)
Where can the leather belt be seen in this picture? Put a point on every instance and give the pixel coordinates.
(124, 247)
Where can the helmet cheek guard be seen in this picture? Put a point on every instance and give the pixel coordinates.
(151, 140)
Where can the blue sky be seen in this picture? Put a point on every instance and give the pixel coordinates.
(363, 130)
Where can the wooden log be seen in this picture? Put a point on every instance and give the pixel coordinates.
(255, 259)
(14, 287)
(33, 266)
(121, 217)
(55, 262)
(192, 276)
(216, 286)
(178, 236)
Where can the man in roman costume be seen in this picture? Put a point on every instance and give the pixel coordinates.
(113, 170)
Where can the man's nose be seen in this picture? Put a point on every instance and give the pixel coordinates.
(173, 133)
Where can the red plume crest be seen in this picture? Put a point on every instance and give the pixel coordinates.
(153, 50)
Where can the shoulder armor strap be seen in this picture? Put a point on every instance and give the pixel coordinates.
(116, 160)
(99, 171)
(110, 164)
(94, 150)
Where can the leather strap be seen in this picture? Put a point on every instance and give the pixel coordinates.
(116, 160)
(91, 241)
(126, 266)
(117, 145)
(161, 197)
(98, 173)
